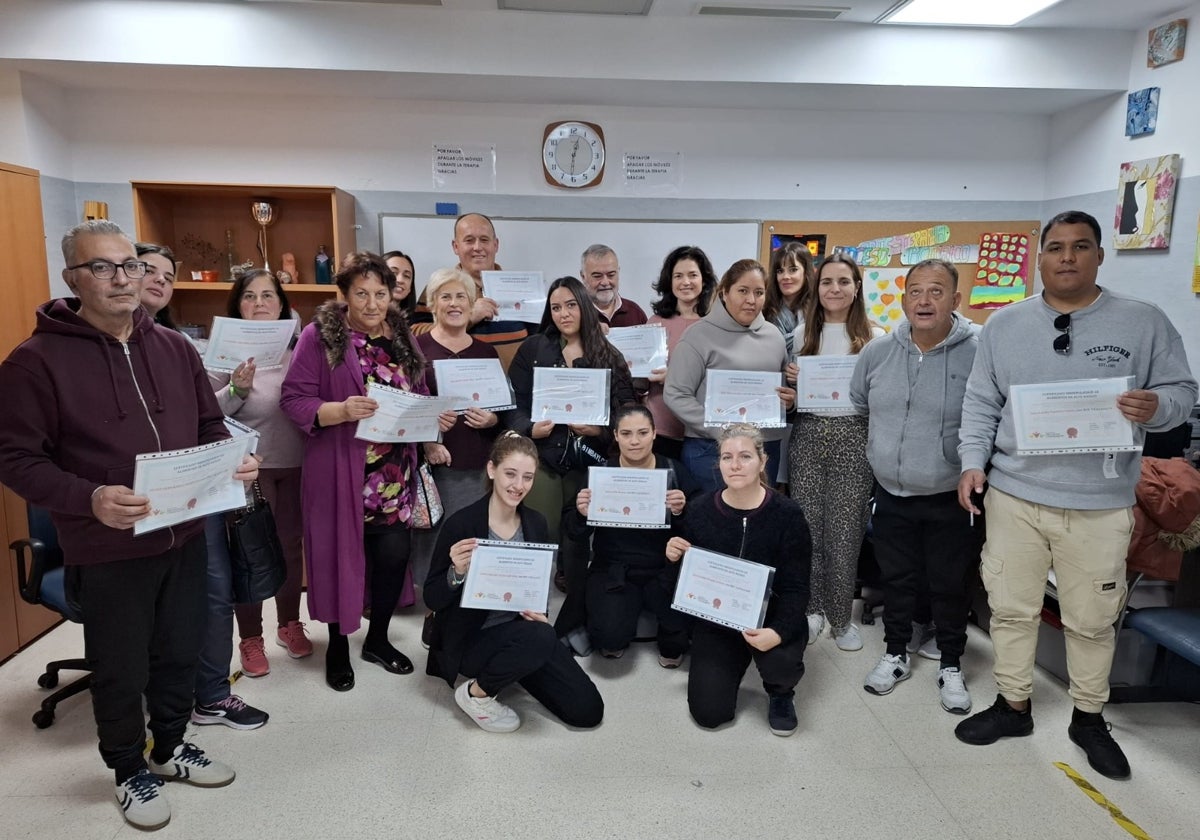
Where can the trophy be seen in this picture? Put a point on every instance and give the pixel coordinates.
(262, 212)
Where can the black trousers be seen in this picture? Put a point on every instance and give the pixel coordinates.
(529, 653)
(143, 628)
(919, 541)
(720, 657)
(612, 614)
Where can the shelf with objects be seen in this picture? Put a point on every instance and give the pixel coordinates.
(215, 230)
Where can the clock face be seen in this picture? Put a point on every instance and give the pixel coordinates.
(573, 154)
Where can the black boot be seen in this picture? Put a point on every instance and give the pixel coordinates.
(1093, 733)
(339, 674)
(998, 721)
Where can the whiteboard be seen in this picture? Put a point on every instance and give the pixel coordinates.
(553, 246)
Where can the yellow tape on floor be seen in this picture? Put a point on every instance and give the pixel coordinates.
(1100, 799)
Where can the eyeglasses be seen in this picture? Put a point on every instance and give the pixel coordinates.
(106, 270)
(1062, 344)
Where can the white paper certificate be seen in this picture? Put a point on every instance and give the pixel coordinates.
(185, 484)
(509, 576)
(570, 395)
(473, 383)
(1077, 416)
(743, 396)
(823, 383)
(402, 416)
(519, 295)
(237, 429)
(723, 589)
(232, 341)
(644, 347)
(625, 498)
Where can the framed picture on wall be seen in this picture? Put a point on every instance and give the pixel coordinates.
(1145, 201)
(1141, 112)
(1166, 43)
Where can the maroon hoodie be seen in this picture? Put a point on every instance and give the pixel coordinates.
(80, 405)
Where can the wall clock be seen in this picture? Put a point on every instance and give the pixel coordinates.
(573, 154)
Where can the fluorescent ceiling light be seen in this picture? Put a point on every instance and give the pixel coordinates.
(965, 12)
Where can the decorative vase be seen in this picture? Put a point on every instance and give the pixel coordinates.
(323, 266)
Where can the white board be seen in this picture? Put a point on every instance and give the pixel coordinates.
(553, 246)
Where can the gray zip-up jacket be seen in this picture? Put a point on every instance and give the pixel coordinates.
(914, 400)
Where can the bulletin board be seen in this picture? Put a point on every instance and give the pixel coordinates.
(996, 261)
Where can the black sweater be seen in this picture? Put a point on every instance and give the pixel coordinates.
(774, 534)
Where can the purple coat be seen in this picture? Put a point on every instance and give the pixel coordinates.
(325, 369)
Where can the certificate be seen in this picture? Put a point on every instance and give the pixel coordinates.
(722, 589)
(628, 498)
(402, 416)
(570, 395)
(644, 347)
(237, 429)
(1077, 416)
(823, 383)
(519, 295)
(232, 341)
(473, 383)
(509, 576)
(185, 484)
(743, 396)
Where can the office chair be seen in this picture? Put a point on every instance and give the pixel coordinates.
(40, 577)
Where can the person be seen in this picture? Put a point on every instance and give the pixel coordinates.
(493, 648)
(158, 286)
(627, 574)
(732, 336)
(100, 383)
(748, 520)
(601, 274)
(1068, 513)
(570, 336)
(792, 280)
(911, 384)
(476, 245)
(685, 289)
(250, 395)
(405, 293)
(357, 497)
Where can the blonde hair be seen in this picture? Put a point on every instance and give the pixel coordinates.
(442, 277)
(754, 434)
(509, 443)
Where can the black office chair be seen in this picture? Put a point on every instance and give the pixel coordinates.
(40, 576)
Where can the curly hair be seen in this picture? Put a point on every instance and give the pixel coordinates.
(667, 304)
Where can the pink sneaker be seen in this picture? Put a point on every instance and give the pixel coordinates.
(292, 637)
(254, 657)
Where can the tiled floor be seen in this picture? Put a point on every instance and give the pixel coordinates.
(396, 758)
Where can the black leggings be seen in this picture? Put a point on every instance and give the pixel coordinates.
(387, 552)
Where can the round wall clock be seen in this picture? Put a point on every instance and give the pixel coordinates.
(573, 154)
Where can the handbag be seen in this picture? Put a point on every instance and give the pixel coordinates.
(427, 507)
(259, 568)
(578, 454)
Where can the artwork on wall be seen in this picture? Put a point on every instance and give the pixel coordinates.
(883, 288)
(1003, 274)
(814, 242)
(1166, 43)
(1141, 112)
(1145, 201)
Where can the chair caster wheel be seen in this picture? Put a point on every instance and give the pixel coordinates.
(48, 679)
(42, 718)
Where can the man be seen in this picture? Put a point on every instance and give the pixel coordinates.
(475, 244)
(601, 276)
(1070, 513)
(99, 383)
(911, 383)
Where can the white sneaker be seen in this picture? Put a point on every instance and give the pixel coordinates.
(921, 633)
(816, 626)
(143, 802)
(489, 713)
(930, 650)
(849, 639)
(189, 764)
(890, 670)
(953, 689)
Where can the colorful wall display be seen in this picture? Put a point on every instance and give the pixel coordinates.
(1166, 43)
(882, 290)
(1141, 112)
(1145, 202)
(1002, 276)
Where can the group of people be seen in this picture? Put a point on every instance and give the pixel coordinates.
(928, 432)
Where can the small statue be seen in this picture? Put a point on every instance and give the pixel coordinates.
(238, 269)
(283, 277)
(289, 268)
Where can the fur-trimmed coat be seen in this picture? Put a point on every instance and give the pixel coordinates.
(325, 369)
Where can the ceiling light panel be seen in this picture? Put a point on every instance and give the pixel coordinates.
(960, 13)
(578, 7)
(800, 12)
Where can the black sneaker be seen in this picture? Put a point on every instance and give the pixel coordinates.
(999, 721)
(427, 631)
(781, 715)
(233, 712)
(1093, 733)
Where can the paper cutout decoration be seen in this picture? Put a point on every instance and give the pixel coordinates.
(1002, 276)
(878, 257)
(1141, 112)
(936, 235)
(882, 290)
(1166, 43)
(1145, 202)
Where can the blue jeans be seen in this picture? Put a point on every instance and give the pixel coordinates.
(700, 460)
(212, 672)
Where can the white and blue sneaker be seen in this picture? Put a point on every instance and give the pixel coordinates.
(189, 764)
(953, 690)
(143, 802)
(892, 668)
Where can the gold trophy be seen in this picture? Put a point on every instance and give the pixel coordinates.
(263, 212)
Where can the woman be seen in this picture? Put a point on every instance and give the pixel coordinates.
(749, 520)
(792, 280)
(828, 473)
(627, 574)
(685, 289)
(159, 284)
(405, 293)
(570, 336)
(493, 648)
(733, 336)
(251, 396)
(357, 497)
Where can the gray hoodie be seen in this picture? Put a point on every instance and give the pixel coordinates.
(915, 403)
(1114, 336)
(719, 342)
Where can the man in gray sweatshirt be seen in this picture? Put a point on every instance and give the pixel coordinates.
(911, 383)
(1066, 512)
